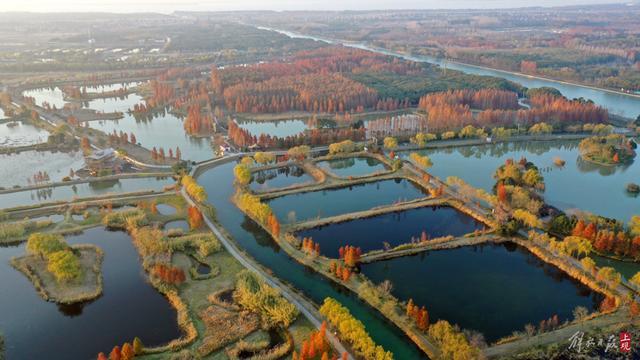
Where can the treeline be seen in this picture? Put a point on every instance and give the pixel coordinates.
(318, 93)
(353, 331)
(452, 110)
(243, 138)
(607, 240)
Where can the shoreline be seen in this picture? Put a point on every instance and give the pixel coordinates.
(364, 46)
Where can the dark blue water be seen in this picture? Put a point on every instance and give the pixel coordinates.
(279, 178)
(494, 289)
(393, 228)
(309, 205)
(259, 244)
(129, 307)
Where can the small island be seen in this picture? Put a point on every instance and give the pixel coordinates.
(607, 150)
(61, 273)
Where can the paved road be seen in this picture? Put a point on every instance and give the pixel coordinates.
(305, 307)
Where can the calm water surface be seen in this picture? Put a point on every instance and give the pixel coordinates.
(353, 166)
(494, 289)
(218, 182)
(68, 192)
(330, 202)
(279, 177)
(281, 128)
(17, 168)
(129, 307)
(20, 134)
(393, 228)
(577, 185)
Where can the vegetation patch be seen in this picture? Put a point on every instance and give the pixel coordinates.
(607, 150)
(224, 326)
(65, 276)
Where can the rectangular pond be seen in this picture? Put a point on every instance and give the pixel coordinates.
(393, 228)
(17, 133)
(69, 192)
(279, 128)
(353, 166)
(493, 288)
(279, 177)
(19, 169)
(331, 202)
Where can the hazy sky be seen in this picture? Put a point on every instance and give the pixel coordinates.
(166, 6)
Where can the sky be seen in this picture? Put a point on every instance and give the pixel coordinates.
(168, 6)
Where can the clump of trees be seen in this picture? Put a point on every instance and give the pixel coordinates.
(168, 274)
(196, 220)
(452, 342)
(242, 173)
(421, 139)
(125, 219)
(253, 294)
(264, 158)
(340, 272)
(350, 255)
(421, 160)
(194, 189)
(310, 247)
(128, 351)
(252, 205)
(316, 346)
(62, 262)
(611, 149)
(353, 331)
(518, 191)
(343, 147)
(420, 315)
(611, 239)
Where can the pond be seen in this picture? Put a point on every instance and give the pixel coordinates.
(164, 209)
(95, 188)
(53, 96)
(393, 228)
(177, 224)
(35, 329)
(494, 288)
(577, 185)
(218, 183)
(625, 268)
(17, 133)
(18, 169)
(165, 130)
(331, 202)
(353, 166)
(279, 177)
(280, 128)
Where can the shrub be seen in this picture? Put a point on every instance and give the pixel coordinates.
(45, 244)
(64, 265)
(255, 295)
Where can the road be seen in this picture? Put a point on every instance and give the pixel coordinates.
(304, 306)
